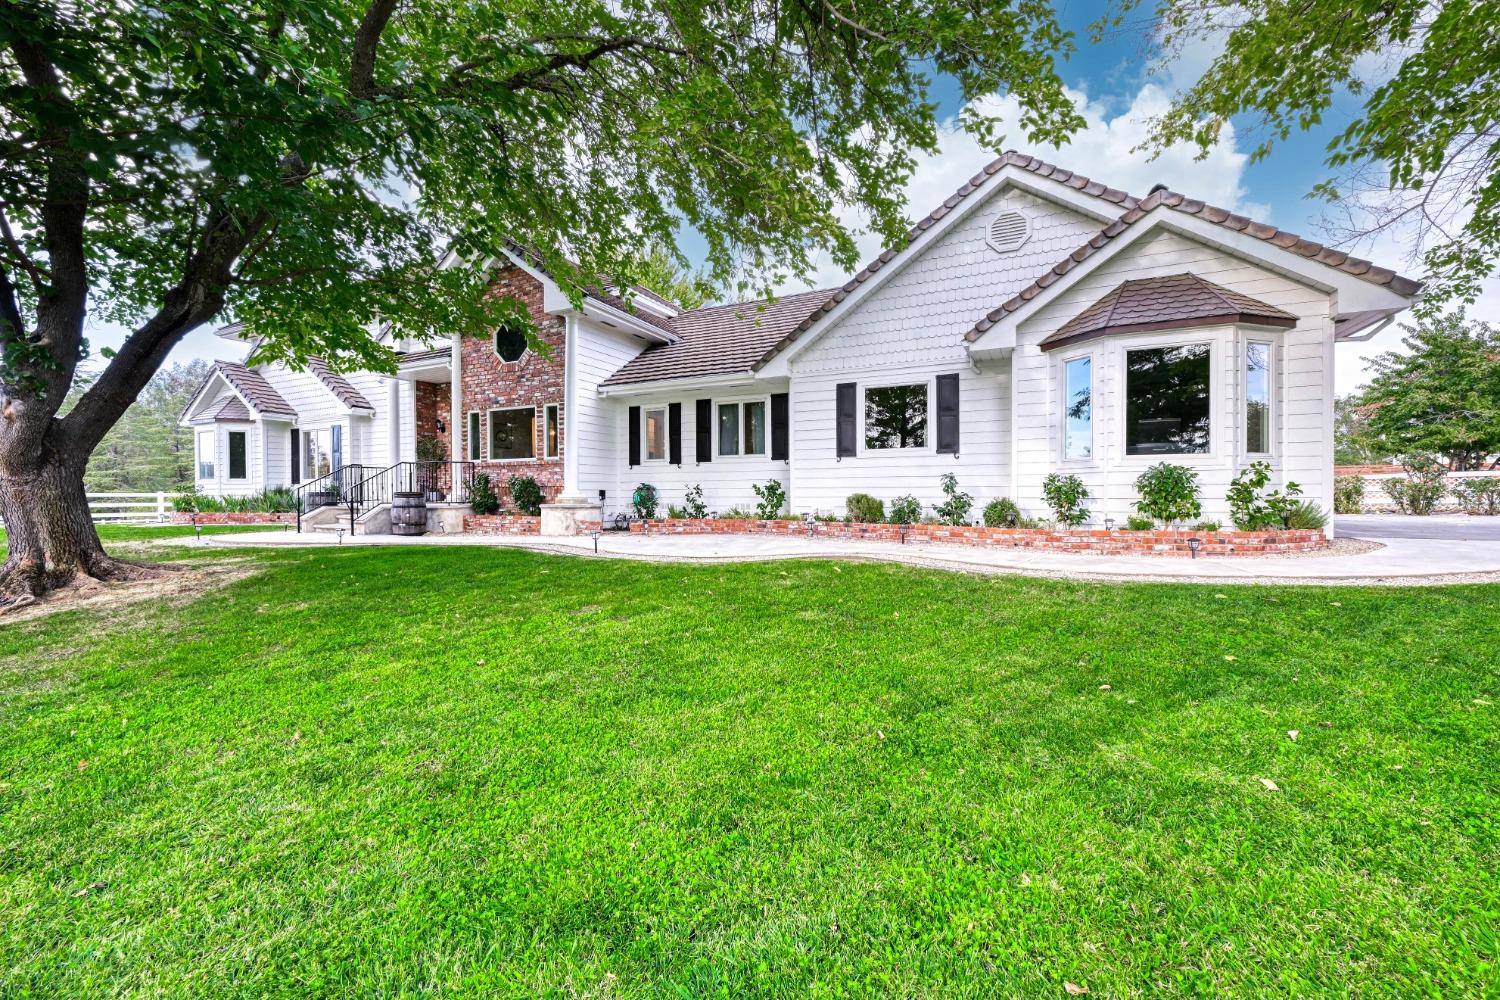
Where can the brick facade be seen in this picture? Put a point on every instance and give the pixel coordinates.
(501, 524)
(234, 517)
(534, 380)
(1132, 543)
(434, 402)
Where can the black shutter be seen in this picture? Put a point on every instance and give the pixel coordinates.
(296, 456)
(674, 433)
(703, 429)
(778, 427)
(947, 414)
(635, 435)
(844, 436)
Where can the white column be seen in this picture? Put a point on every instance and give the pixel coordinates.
(393, 421)
(571, 486)
(457, 417)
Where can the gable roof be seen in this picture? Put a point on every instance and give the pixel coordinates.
(254, 389)
(718, 340)
(1169, 302)
(534, 259)
(232, 408)
(341, 388)
(1163, 198)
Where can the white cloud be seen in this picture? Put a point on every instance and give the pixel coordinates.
(1105, 150)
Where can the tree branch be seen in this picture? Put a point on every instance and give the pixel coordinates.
(366, 42)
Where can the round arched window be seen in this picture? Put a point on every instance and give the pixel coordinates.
(510, 341)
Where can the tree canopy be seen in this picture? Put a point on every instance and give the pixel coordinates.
(1421, 156)
(147, 449)
(1442, 399)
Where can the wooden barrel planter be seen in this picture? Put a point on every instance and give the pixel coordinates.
(408, 514)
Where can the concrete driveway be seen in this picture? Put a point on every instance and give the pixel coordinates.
(1438, 527)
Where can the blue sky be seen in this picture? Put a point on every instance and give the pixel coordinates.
(1112, 83)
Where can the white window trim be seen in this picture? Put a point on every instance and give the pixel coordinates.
(547, 450)
(1242, 418)
(1213, 338)
(477, 441)
(666, 444)
(229, 476)
(930, 448)
(489, 438)
(739, 403)
(1062, 410)
(213, 450)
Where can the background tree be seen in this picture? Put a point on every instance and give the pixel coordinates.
(1443, 398)
(665, 272)
(1423, 153)
(294, 164)
(1354, 443)
(147, 450)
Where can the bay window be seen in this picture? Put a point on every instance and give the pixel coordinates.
(1167, 400)
(1257, 398)
(1078, 409)
(205, 454)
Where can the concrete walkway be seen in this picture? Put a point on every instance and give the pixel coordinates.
(1400, 560)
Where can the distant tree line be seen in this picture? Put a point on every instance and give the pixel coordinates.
(1440, 399)
(146, 450)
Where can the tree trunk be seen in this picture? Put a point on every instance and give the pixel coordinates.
(50, 534)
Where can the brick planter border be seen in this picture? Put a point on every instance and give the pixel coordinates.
(501, 524)
(235, 517)
(1098, 542)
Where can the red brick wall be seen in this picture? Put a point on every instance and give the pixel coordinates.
(231, 517)
(434, 402)
(534, 380)
(1134, 543)
(501, 524)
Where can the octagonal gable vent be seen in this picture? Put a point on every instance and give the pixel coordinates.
(1009, 232)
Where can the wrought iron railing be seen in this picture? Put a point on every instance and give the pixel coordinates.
(437, 482)
(328, 490)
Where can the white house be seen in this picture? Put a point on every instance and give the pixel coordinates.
(1036, 321)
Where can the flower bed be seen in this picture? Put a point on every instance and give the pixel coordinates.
(234, 517)
(501, 524)
(1099, 542)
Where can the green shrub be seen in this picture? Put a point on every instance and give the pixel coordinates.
(1002, 513)
(1422, 488)
(482, 498)
(738, 514)
(1305, 516)
(692, 502)
(1137, 523)
(189, 500)
(1348, 494)
(276, 500)
(1478, 496)
(644, 500)
(905, 510)
(675, 512)
(431, 449)
(1169, 493)
(955, 508)
(772, 497)
(1207, 526)
(526, 494)
(1065, 495)
(864, 509)
(1253, 510)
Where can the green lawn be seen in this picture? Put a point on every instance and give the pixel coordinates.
(482, 772)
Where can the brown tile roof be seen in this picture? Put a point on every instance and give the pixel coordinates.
(416, 357)
(1165, 303)
(338, 385)
(230, 409)
(609, 298)
(253, 386)
(1162, 198)
(718, 340)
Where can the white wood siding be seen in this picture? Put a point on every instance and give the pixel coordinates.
(600, 420)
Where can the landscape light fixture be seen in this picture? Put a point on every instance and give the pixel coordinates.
(1193, 544)
(595, 534)
(340, 532)
(1109, 524)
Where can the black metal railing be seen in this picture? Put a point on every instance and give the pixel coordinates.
(328, 490)
(437, 482)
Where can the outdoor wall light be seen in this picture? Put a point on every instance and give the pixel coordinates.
(1193, 545)
(601, 496)
(441, 426)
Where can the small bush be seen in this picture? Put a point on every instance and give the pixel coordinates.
(772, 497)
(526, 494)
(675, 512)
(1348, 494)
(864, 509)
(738, 514)
(482, 497)
(1137, 523)
(1207, 526)
(693, 504)
(955, 508)
(1422, 488)
(431, 449)
(1065, 495)
(1478, 496)
(189, 500)
(1002, 513)
(1305, 516)
(644, 500)
(905, 510)
(1169, 493)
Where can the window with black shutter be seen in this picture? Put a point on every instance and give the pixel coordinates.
(635, 435)
(844, 435)
(703, 429)
(779, 431)
(947, 414)
(296, 462)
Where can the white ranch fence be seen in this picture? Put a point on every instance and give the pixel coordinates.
(130, 508)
